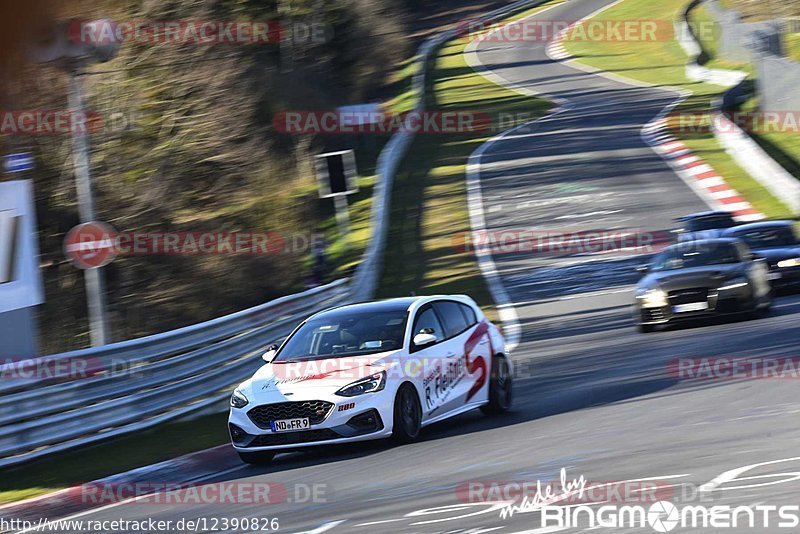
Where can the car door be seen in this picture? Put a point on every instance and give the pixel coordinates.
(425, 363)
(466, 362)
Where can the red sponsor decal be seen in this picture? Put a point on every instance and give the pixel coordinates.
(478, 364)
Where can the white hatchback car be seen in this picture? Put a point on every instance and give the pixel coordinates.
(371, 371)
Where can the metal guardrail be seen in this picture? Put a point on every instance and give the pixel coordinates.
(178, 373)
(163, 377)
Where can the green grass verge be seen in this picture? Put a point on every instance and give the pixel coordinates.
(119, 455)
(429, 215)
(663, 64)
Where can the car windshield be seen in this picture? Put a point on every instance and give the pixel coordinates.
(695, 255)
(776, 236)
(710, 223)
(345, 334)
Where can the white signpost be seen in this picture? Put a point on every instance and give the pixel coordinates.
(337, 177)
(20, 279)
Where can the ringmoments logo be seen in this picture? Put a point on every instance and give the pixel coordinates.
(665, 516)
(554, 505)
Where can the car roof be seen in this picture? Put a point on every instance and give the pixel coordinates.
(759, 226)
(388, 305)
(704, 214)
(713, 241)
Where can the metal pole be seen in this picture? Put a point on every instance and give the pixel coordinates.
(342, 217)
(286, 44)
(95, 283)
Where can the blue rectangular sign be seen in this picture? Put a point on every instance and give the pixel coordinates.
(18, 162)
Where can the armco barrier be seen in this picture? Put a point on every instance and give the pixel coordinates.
(141, 383)
(742, 148)
(148, 380)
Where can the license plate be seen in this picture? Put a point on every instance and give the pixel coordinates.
(774, 276)
(694, 306)
(290, 425)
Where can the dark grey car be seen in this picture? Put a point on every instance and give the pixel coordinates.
(702, 278)
(777, 243)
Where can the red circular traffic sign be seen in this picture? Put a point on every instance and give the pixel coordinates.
(91, 245)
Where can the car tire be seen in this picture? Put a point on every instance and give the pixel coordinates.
(407, 424)
(646, 328)
(501, 388)
(257, 457)
(762, 309)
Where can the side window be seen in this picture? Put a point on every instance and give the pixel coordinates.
(454, 320)
(427, 319)
(469, 313)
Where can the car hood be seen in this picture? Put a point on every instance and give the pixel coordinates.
(710, 276)
(287, 379)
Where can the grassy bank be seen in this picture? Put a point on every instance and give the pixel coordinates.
(663, 64)
(429, 216)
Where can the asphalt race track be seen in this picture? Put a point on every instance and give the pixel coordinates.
(601, 402)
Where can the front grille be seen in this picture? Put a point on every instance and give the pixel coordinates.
(316, 411)
(688, 296)
(653, 315)
(291, 438)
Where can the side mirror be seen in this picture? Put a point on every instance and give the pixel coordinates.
(423, 339)
(643, 269)
(270, 354)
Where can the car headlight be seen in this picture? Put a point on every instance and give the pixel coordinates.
(794, 262)
(736, 283)
(238, 400)
(652, 298)
(371, 384)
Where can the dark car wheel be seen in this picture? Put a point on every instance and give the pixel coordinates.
(257, 457)
(501, 388)
(763, 307)
(407, 415)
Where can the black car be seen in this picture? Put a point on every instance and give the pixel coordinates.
(702, 278)
(777, 243)
(705, 225)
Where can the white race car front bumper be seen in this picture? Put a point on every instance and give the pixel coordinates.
(361, 418)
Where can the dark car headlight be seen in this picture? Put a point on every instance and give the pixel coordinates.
(371, 384)
(238, 400)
